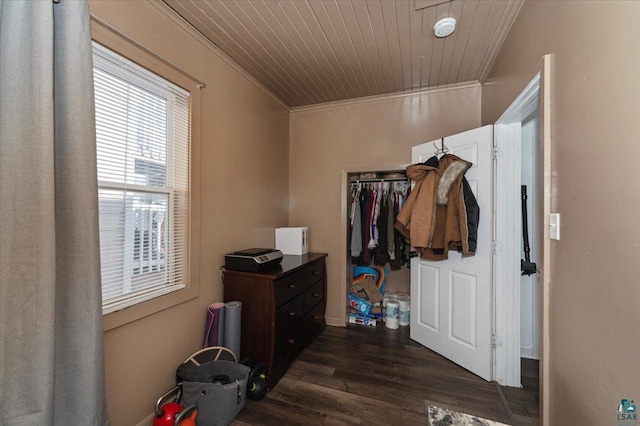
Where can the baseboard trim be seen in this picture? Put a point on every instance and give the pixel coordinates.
(335, 322)
(147, 421)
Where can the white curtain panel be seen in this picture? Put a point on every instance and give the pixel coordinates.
(51, 351)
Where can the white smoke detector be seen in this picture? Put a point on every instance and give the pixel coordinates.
(444, 27)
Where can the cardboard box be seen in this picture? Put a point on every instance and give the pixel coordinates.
(367, 290)
(292, 240)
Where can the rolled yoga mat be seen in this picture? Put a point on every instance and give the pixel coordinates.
(221, 325)
(232, 325)
(212, 331)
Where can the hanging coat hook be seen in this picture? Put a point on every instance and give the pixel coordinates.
(442, 149)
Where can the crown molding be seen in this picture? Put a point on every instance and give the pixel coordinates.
(387, 96)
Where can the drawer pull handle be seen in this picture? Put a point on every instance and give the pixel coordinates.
(292, 341)
(292, 313)
(292, 285)
(316, 294)
(315, 272)
(316, 317)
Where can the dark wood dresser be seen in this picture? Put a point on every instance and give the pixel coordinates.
(282, 309)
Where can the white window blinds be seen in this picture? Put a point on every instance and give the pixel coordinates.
(142, 132)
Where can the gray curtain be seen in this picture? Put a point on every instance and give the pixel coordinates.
(51, 353)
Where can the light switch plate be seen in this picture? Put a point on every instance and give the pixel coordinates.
(554, 223)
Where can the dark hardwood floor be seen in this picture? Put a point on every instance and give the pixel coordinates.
(373, 375)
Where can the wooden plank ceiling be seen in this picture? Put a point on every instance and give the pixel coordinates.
(314, 51)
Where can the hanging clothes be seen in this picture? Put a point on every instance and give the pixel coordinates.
(372, 236)
(366, 200)
(441, 213)
(419, 211)
(398, 239)
(381, 255)
(373, 232)
(391, 220)
(356, 223)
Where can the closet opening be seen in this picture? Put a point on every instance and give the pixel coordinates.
(377, 256)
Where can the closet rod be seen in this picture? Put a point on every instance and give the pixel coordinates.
(379, 180)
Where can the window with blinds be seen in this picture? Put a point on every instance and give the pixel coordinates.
(142, 132)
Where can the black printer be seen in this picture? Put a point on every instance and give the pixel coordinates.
(252, 260)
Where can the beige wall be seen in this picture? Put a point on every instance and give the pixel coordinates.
(248, 171)
(244, 187)
(595, 130)
(366, 135)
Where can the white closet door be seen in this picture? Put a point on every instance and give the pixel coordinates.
(451, 300)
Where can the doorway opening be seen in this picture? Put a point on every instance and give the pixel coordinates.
(530, 282)
(535, 97)
(517, 297)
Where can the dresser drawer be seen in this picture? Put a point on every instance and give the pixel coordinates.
(287, 344)
(313, 295)
(288, 287)
(288, 314)
(313, 322)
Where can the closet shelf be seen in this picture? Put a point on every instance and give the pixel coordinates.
(386, 176)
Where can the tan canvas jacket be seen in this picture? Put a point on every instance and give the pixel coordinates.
(434, 217)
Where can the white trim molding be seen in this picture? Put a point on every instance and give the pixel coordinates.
(508, 229)
(385, 96)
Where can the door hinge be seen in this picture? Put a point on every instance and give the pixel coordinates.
(495, 247)
(495, 341)
(496, 152)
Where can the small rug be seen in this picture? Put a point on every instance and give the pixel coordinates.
(444, 417)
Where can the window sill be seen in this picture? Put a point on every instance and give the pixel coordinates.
(122, 305)
(149, 307)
